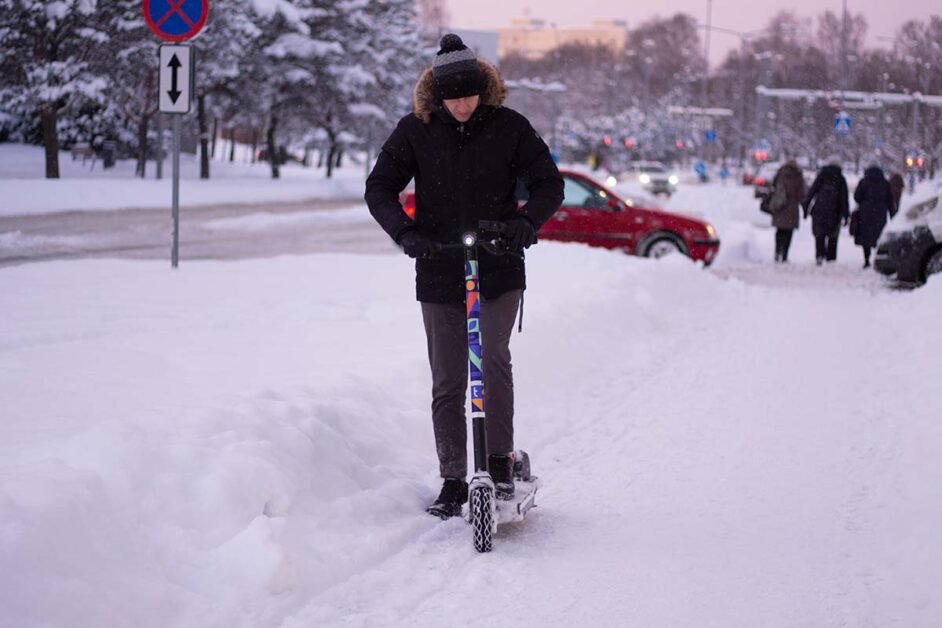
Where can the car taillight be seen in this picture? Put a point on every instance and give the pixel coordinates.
(408, 205)
(760, 180)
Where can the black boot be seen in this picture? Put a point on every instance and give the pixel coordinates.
(501, 468)
(454, 494)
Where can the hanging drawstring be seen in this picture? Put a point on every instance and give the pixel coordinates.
(520, 324)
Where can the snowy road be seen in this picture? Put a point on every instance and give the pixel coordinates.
(232, 231)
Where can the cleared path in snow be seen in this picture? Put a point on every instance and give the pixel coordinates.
(756, 462)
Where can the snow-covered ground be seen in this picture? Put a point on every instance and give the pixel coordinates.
(248, 443)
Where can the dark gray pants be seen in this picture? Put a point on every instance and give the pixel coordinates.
(446, 330)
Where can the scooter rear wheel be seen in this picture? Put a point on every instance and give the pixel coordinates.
(480, 503)
(522, 466)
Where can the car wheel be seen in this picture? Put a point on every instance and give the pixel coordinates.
(662, 247)
(933, 265)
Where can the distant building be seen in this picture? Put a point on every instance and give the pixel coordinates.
(533, 39)
(483, 43)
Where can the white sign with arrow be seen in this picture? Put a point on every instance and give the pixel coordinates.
(176, 78)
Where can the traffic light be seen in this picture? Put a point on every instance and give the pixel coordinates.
(910, 161)
(607, 140)
(679, 144)
(629, 143)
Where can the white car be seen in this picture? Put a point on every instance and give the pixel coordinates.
(653, 176)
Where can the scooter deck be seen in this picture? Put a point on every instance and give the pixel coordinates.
(511, 510)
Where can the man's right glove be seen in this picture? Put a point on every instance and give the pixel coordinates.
(417, 245)
(520, 233)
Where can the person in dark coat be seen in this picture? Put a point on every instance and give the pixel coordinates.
(896, 186)
(875, 197)
(785, 215)
(828, 205)
(466, 152)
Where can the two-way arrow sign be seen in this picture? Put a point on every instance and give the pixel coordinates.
(176, 78)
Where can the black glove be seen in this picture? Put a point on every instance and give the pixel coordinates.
(520, 233)
(416, 244)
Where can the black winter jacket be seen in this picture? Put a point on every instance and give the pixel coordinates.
(463, 173)
(827, 200)
(875, 197)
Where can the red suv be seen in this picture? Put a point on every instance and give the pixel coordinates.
(594, 215)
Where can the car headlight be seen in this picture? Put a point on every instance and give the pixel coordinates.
(673, 180)
(711, 231)
(611, 181)
(645, 178)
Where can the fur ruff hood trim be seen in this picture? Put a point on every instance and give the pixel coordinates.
(423, 96)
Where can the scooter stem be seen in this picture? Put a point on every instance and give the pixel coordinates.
(475, 353)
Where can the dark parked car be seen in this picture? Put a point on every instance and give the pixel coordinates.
(910, 248)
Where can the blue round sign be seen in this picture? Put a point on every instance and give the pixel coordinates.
(176, 20)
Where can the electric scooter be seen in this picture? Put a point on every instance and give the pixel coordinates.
(485, 511)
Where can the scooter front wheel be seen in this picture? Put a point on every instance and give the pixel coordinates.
(481, 511)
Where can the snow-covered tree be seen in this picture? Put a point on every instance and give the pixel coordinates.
(45, 48)
(223, 51)
(433, 17)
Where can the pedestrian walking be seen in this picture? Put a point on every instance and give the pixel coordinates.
(896, 186)
(874, 194)
(466, 152)
(788, 191)
(828, 205)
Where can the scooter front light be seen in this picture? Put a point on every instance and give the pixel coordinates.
(469, 239)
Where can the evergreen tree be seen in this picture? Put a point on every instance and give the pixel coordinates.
(44, 57)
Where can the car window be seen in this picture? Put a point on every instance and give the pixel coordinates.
(652, 169)
(579, 194)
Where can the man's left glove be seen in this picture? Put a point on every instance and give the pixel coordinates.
(520, 233)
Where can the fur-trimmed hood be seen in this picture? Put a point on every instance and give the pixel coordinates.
(423, 96)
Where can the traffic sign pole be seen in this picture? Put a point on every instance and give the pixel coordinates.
(176, 21)
(175, 250)
(175, 97)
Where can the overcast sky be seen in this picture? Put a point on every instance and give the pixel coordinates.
(883, 16)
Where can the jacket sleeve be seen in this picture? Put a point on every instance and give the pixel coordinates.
(845, 204)
(806, 204)
(395, 167)
(534, 166)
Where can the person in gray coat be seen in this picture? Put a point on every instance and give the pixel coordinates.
(788, 191)
(875, 197)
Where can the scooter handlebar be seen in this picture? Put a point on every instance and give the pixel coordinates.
(491, 236)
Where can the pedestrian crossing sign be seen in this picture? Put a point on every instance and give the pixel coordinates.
(842, 123)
